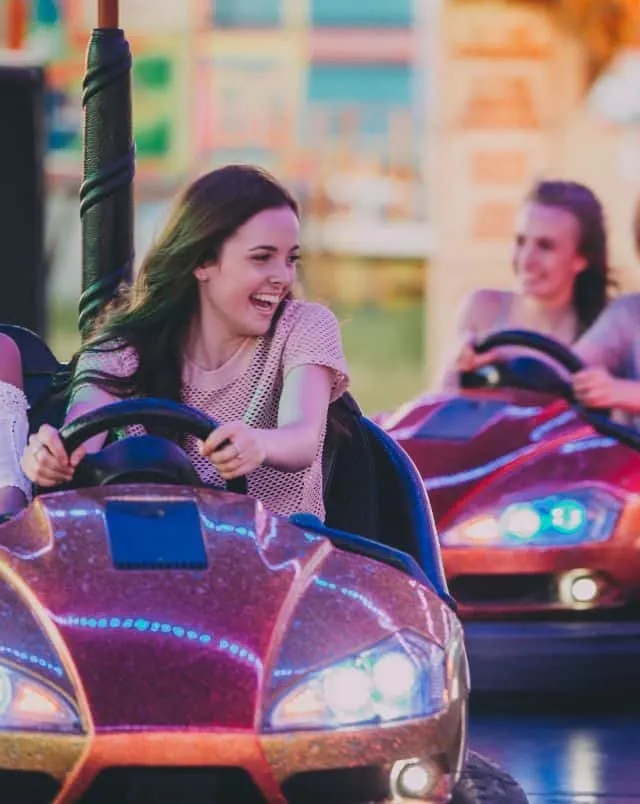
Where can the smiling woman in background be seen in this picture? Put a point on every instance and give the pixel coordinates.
(560, 263)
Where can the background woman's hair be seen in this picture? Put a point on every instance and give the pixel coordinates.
(591, 287)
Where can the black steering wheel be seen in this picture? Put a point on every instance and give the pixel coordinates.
(533, 340)
(140, 459)
(532, 374)
(525, 371)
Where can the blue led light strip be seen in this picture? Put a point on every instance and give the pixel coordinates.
(31, 658)
(142, 625)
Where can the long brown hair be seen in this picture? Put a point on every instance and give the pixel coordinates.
(591, 286)
(154, 315)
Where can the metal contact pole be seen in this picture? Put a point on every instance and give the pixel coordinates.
(106, 195)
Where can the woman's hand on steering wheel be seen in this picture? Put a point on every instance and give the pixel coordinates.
(469, 359)
(45, 460)
(595, 387)
(235, 449)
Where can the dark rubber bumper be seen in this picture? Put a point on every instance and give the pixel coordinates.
(483, 782)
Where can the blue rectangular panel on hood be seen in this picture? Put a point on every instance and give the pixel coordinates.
(155, 535)
(459, 419)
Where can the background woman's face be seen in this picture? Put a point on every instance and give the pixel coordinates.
(545, 258)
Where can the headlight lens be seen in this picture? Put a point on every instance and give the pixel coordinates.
(28, 704)
(402, 677)
(581, 516)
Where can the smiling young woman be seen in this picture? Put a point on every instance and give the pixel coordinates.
(561, 269)
(211, 322)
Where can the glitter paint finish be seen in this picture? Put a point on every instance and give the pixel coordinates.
(171, 667)
(530, 447)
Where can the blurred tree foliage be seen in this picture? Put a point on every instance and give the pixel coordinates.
(605, 26)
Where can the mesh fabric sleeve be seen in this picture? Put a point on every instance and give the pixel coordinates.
(314, 339)
(117, 361)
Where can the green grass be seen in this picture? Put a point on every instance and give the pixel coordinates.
(383, 346)
(63, 330)
(384, 350)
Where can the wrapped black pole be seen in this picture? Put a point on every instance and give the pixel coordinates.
(106, 196)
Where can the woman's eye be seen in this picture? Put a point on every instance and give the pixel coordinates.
(294, 260)
(261, 257)
(546, 245)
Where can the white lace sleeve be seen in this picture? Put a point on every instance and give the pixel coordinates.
(14, 429)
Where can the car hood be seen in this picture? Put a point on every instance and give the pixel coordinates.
(475, 443)
(187, 644)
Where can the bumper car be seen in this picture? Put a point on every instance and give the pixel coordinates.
(536, 504)
(165, 642)
(162, 642)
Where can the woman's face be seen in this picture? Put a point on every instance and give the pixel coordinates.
(256, 270)
(546, 259)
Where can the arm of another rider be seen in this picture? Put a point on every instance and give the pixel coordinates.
(607, 349)
(479, 313)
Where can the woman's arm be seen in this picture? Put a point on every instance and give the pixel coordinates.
(314, 374)
(45, 460)
(302, 418)
(293, 445)
(609, 341)
(89, 398)
(595, 387)
(10, 362)
(607, 349)
(479, 313)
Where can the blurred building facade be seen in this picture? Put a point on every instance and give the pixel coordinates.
(527, 89)
(330, 96)
(393, 120)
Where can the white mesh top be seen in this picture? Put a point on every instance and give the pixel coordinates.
(14, 429)
(248, 387)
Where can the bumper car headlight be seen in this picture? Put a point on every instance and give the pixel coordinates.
(402, 677)
(28, 704)
(581, 516)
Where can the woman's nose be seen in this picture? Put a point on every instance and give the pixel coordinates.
(527, 255)
(283, 273)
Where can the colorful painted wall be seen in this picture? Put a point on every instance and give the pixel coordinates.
(516, 101)
(327, 94)
(330, 95)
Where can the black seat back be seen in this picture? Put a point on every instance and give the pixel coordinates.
(39, 370)
(373, 489)
(349, 472)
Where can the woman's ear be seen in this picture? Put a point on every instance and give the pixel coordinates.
(201, 273)
(580, 264)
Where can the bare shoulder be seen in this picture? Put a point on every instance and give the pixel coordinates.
(483, 308)
(10, 361)
(8, 347)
